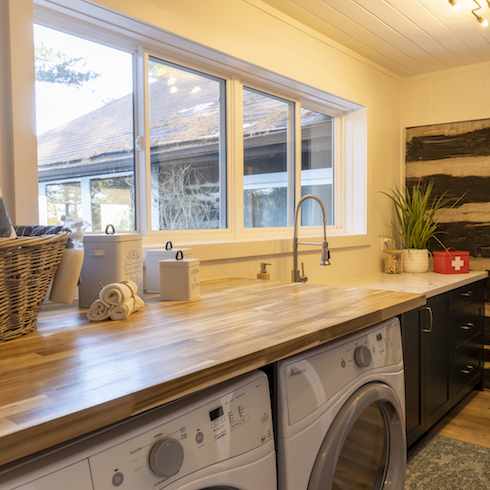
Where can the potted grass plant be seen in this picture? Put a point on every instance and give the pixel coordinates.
(415, 208)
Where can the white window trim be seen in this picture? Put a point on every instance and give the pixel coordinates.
(102, 24)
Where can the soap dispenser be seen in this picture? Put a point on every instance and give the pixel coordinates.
(263, 274)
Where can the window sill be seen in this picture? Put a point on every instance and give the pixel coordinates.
(240, 249)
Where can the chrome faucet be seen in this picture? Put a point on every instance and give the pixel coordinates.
(325, 260)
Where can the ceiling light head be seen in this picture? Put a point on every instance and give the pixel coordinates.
(481, 20)
(456, 5)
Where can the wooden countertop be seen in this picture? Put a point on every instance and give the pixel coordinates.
(72, 376)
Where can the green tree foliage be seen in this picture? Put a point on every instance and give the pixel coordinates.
(56, 67)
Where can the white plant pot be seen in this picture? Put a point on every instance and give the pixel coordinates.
(415, 260)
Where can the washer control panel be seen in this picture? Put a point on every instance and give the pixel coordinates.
(313, 378)
(223, 428)
(155, 449)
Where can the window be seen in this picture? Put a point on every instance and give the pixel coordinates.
(267, 156)
(84, 105)
(317, 165)
(187, 157)
(224, 150)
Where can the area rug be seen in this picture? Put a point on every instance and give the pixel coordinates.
(441, 463)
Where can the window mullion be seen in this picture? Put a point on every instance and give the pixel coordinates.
(224, 218)
(142, 146)
(295, 171)
(235, 138)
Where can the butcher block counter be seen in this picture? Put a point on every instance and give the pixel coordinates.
(72, 376)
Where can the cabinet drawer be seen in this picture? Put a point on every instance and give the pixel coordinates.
(465, 324)
(464, 296)
(466, 372)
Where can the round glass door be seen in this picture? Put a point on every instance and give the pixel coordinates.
(364, 449)
(363, 458)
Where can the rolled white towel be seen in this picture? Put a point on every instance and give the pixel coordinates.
(98, 311)
(121, 312)
(117, 293)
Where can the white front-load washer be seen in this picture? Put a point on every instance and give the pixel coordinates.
(218, 439)
(341, 414)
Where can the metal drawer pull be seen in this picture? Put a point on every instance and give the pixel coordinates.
(468, 369)
(431, 320)
(468, 326)
(467, 294)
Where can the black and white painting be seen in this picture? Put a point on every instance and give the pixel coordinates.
(456, 156)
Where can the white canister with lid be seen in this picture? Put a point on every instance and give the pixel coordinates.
(179, 279)
(153, 257)
(110, 258)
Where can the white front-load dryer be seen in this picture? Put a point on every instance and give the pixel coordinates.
(218, 439)
(341, 414)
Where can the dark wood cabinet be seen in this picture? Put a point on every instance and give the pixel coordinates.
(466, 336)
(442, 344)
(415, 415)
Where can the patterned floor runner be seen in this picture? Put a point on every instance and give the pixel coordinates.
(441, 463)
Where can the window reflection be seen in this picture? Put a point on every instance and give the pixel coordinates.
(266, 157)
(316, 166)
(363, 458)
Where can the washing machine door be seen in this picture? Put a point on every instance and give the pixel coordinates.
(365, 445)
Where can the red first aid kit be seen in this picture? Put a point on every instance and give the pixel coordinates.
(451, 261)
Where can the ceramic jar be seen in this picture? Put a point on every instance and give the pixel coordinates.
(415, 260)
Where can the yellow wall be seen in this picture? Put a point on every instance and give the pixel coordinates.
(18, 142)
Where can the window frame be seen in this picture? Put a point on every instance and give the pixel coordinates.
(350, 155)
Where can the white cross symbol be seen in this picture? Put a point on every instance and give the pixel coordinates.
(457, 263)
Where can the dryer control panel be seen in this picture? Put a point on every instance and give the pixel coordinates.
(311, 379)
(154, 450)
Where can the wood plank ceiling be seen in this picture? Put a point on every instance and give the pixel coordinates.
(408, 37)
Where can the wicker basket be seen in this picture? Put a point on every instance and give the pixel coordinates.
(27, 266)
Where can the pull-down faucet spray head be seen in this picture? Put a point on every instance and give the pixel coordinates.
(325, 260)
(325, 254)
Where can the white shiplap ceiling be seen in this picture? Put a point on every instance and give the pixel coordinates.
(409, 37)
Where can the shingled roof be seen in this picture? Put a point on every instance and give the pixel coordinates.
(106, 134)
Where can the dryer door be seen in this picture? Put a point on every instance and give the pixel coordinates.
(365, 445)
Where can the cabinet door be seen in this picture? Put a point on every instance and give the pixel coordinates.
(436, 387)
(411, 330)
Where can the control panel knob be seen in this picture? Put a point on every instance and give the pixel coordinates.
(166, 457)
(362, 356)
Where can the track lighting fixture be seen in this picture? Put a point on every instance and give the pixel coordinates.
(456, 5)
(479, 18)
